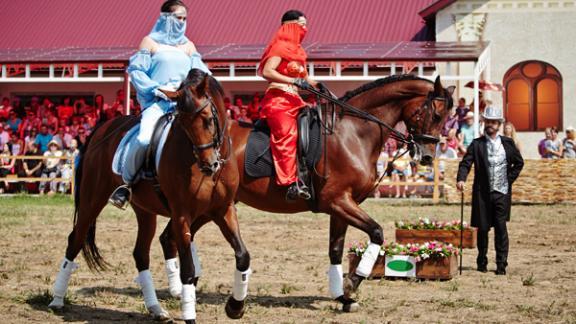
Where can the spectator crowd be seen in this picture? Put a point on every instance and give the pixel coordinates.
(55, 130)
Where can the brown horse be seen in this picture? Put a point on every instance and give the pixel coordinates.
(348, 170)
(198, 176)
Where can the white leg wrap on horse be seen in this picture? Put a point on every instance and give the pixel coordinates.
(368, 259)
(196, 260)
(240, 290)
(335, 280)
(188, 302)
(173, 273)
(144, 279)
(61, 283)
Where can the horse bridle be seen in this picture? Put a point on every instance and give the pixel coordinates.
(218, 136)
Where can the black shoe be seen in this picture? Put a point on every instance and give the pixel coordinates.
(295, 191)
(482, 268)
(120, 197)
(500, 271)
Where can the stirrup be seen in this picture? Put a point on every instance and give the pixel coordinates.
(120, 199)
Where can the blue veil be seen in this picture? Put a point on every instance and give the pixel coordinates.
(168, 30)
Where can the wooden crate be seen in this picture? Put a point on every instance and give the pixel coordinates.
(405, 236)
(377, 271)
(441, 268)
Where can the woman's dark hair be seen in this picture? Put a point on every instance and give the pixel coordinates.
(168, 6)
(292, 15)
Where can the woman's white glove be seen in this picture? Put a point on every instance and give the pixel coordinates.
(161, 94)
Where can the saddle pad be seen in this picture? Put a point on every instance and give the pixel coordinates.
(129, 138)
(258, 162)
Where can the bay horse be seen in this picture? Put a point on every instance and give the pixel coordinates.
(198, 175)
(346, 173)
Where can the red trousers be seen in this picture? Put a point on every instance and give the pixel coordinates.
(280, 109)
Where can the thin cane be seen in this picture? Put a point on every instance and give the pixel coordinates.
(461, 227)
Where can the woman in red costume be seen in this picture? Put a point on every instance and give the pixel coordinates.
(284, 66)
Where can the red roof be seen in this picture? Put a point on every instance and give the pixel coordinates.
(58, 24)
(379, 52)
(431, 11)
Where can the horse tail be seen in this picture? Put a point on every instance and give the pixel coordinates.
(90, 251)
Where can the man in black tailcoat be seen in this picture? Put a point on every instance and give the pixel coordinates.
(497, 164)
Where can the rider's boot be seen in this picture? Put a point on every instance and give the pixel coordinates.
(134, 160)
(296, 191)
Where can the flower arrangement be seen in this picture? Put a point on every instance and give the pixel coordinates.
(428, 250)
(427, 224)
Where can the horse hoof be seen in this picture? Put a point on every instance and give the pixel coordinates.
(351, 308)
(158, 313)
(348, 305)
(234, 309)
(57, 303)
(190, 321)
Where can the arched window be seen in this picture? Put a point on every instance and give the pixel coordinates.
(533, 96)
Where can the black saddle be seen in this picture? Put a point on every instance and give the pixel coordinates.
(258, 162)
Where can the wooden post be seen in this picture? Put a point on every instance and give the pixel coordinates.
(436, 192)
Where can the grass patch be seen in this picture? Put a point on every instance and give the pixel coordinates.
(529, 281)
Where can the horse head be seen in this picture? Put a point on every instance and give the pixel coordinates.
(200, 116)
(425, 119)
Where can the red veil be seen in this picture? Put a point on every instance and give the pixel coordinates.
(287, 44)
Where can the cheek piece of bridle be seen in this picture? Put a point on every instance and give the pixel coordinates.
(217, 137)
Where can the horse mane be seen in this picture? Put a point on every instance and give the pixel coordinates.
(378, 83)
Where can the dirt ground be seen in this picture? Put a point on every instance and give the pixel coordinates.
(289, 259)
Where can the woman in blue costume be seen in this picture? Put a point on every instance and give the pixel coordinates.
(162, 62)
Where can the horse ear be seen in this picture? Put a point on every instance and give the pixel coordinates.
(450, 90)
(202, 88)
(438, 89)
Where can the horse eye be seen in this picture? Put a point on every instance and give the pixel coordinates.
(437, 118)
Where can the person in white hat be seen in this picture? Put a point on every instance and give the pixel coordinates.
(51, 167)
(497, 164)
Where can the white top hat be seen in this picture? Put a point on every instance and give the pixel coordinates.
(493, 113)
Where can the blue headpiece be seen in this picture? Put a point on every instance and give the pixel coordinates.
(169, 30)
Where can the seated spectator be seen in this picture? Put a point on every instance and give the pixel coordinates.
(51, 167)
(18, 107)
(52, 121)
(5, 109)
(542, 143)
(244, 116)
(81, 138)
(466, 135)
(45, 108)
(118, 105)
(232, 111)
(28, 123)
(82, 108)
(240, 104)
(452, 140)
(443, 151)
(461, 111)
(569, 144)
(65, 110)
(401, 171)
(17, 144)
(31, 168)
(553, 146)
(98, 107)
(66, 169)
(34, 105)
(254, 108)
(43, 139)
(13, 121)
(4, 135)
(451, 122)
(510, 131)
(59, 138)
(6, 165)
(75, 125)
(30, 136)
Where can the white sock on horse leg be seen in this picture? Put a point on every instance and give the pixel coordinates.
(241, 278)
(196, 260)
(335, 280)
(62, 280)
(188, 302)
(173, 273)
(144, 279)
(368, 259)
